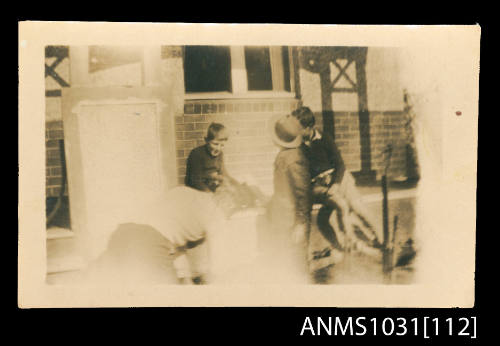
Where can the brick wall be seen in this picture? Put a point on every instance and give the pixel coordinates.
(53, 182)
(388, 128)
(347, 138)
(384, 102)
(385, 128)
(249, 153)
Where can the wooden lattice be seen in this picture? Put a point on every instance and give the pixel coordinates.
(343, 72)
(60, 53)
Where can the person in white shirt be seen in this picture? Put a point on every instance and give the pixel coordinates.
(155, 247)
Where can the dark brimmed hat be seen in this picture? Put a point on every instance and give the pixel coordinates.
(285, 130)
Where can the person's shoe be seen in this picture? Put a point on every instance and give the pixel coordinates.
(406, 255)
(199, 280)
(322, 276)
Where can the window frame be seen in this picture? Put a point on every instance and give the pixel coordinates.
(239, 78)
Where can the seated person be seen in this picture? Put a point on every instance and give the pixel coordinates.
(207, 161)
(206, 172)
(332, 185)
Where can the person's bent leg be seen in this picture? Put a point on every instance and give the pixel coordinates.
(182, 269)
(198, 257)
(369, 229)
(342, 206)
(353, 197)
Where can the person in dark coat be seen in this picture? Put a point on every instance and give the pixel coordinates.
(290, 207)
(205, 164)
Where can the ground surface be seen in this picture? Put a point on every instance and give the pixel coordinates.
(353, 269)
(357, 268)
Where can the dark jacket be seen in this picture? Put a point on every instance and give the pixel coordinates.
(292, 186)
(199, 164)
(323, 155)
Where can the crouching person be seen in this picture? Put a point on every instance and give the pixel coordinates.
(158, 247)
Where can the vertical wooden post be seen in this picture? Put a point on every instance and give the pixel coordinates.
(326, 101)
(366, 174)
(238, 70)
(385, 225)
(393, 239)
(277, 72)
(387, 251)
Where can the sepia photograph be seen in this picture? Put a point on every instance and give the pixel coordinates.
(214, 170)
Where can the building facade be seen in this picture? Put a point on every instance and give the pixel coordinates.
(355, 93)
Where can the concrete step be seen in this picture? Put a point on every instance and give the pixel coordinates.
(62, 254)
(59, 233)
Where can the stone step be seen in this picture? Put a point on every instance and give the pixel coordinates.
(62, 254)
(64, 264)
(59, 233)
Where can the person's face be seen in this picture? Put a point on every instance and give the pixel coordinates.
(307, 133)
(216, 145)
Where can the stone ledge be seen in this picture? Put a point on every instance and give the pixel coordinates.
(65, 264)
(59, 233)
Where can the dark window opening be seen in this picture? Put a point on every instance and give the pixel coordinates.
(207, 69)
(258, 65)
(286, 68)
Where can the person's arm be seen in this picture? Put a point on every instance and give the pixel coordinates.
(226, 175)
(195, 174)
(335, 158)
(300, 182)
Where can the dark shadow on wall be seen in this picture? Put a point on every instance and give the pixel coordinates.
(61, 216)
(320, 60)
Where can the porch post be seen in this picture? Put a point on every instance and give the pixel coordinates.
(366, 174)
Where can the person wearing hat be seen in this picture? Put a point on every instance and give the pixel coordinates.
(290, 207)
